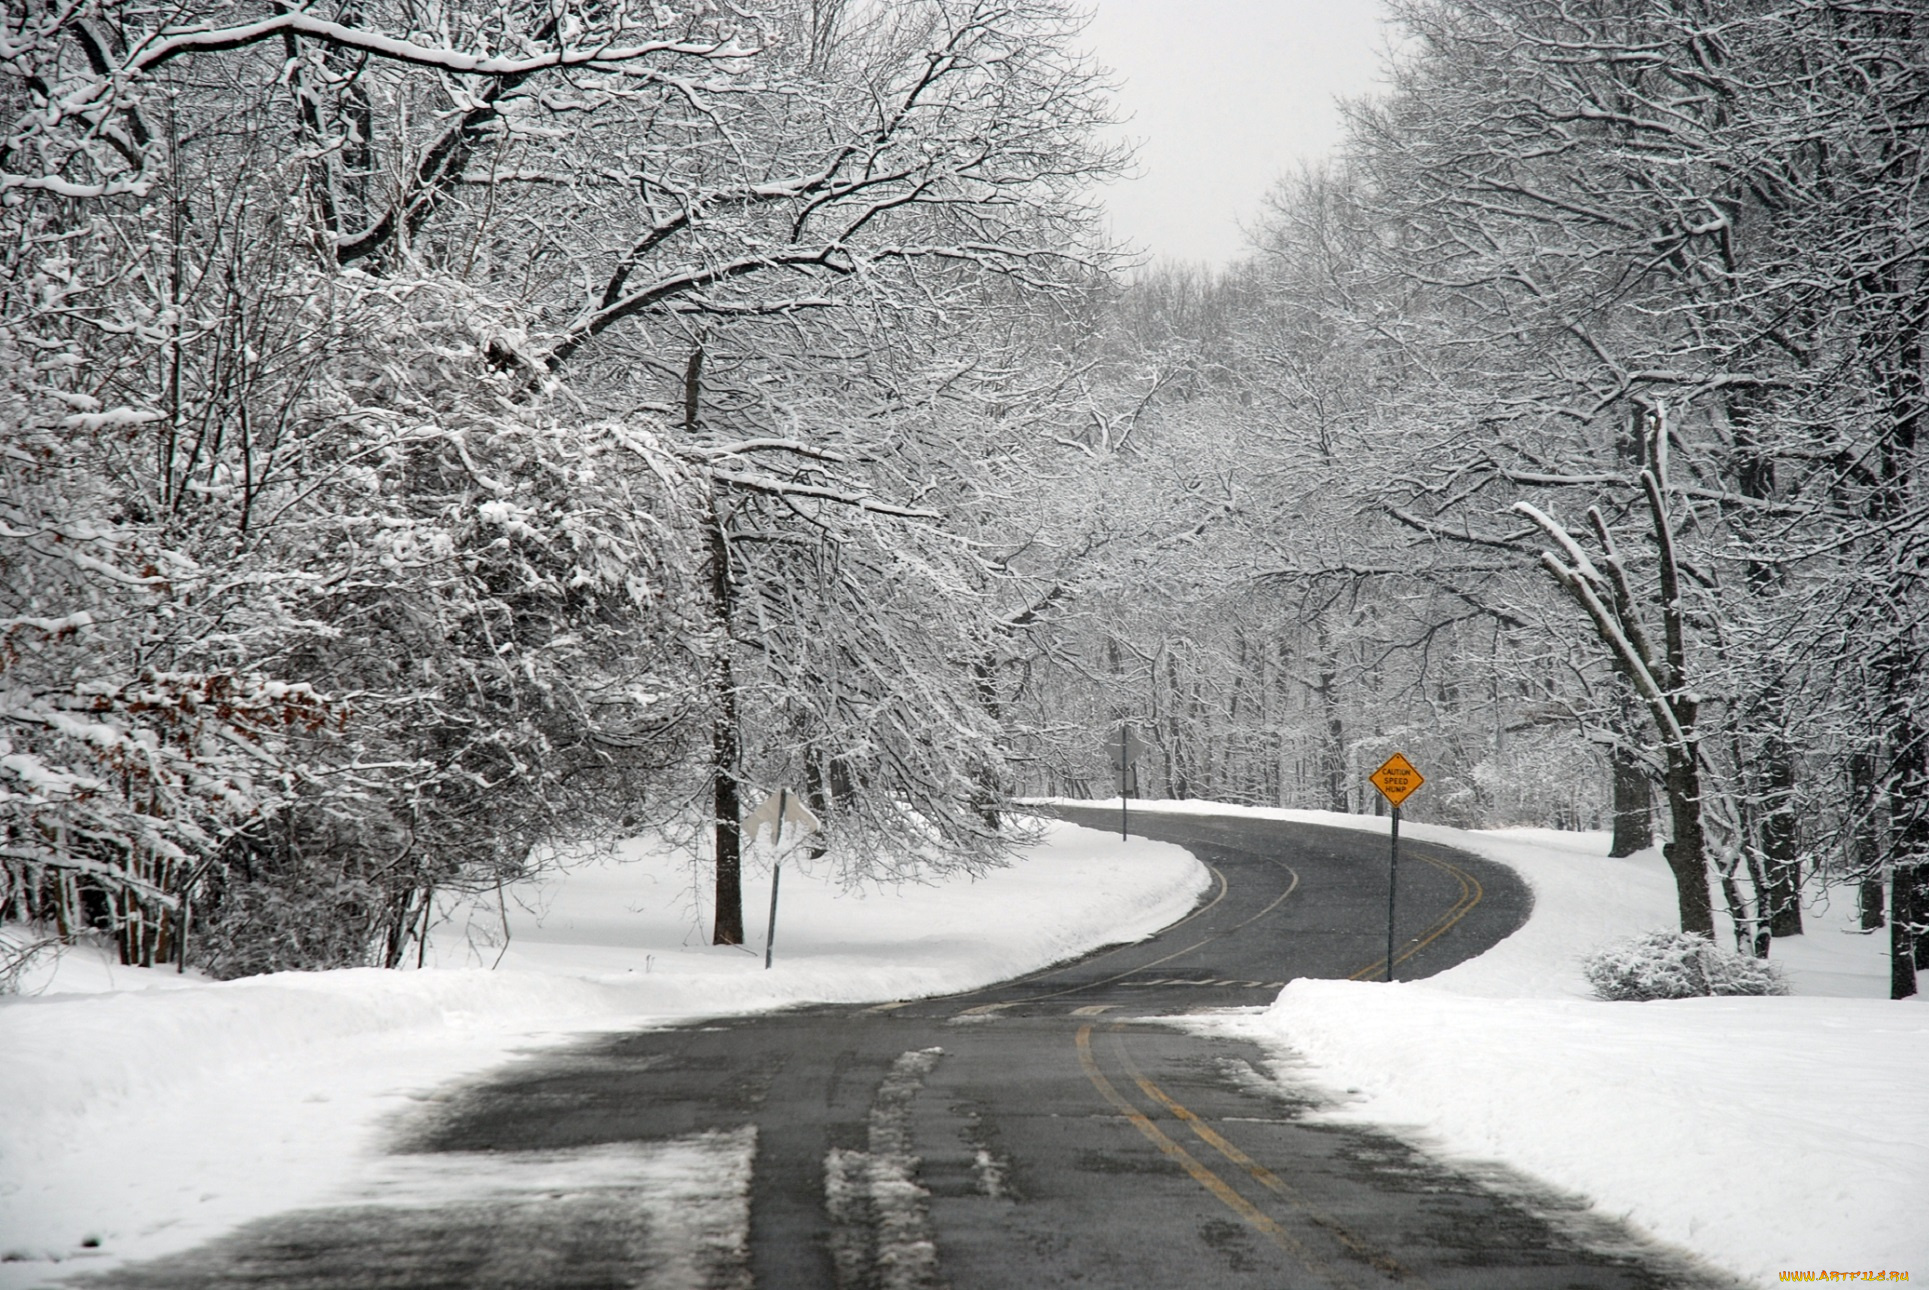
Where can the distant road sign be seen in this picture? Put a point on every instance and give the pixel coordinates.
(1133, 747)
(1397, 779)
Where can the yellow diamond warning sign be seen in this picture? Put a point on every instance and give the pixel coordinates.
(1397, 779)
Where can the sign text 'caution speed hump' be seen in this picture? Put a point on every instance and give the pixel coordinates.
(1397, 779)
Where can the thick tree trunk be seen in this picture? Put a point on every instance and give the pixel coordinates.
(1633, 806)
(1902, 941)
(1687, 851)
(1871, 904)
(1919, 917)
(726, 801)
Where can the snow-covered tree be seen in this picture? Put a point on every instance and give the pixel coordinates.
(350, 552)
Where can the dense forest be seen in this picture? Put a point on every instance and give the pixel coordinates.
(440, 436)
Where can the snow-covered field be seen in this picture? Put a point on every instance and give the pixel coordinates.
(145, 1112)
(1766, 1134)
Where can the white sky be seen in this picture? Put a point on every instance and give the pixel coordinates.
(1224, 97)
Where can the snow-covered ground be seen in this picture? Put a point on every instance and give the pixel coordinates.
(1765, 1134)
(143, 1112)
(146, 1112)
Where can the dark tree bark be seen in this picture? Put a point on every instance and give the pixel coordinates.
(1781, 846)
(1687, 851)
(1871, 893)
(725, 753)
(1919, 914)
(1902, 917)
(1907, 782)
(1633, 806)
(829, 787)
(1865, 845)
(726, 799)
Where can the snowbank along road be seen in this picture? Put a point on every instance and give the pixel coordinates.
(1053, 1130)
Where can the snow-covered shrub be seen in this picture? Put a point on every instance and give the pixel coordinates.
(1676, 965)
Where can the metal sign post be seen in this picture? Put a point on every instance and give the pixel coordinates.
(779, 806)
(777, 869)
(1124, 747)
(1392, 890)
(1397, 780)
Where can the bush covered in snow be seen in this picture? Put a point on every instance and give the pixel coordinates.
(1676, 965)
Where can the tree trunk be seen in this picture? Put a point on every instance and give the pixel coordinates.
(1779, 894)
(1901, 665)
(725, 753)
(1919, 914)
(1907, 782)
(1178, 762)
(1865, 844)
(728, 806)
(1333, 755)
(1871, 904)
(814, 797)
(1902, 917)
(1687, 851)
(1633, 805)
(1781, 845)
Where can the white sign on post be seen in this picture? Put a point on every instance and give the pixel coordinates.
(1123, 747)
(780, 808)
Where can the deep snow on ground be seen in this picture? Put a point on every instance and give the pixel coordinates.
(1765, 1134)
(146, 1112)
(150, 1111)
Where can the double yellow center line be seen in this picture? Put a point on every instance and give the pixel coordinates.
(1470, 894)
(1228, 1194)
(1160, 1101)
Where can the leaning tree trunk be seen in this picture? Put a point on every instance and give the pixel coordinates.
(1658, 673)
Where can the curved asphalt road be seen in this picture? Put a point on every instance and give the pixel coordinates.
(1046, 1131)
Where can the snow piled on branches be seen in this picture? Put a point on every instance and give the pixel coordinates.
(468, 587)
(1676, 965)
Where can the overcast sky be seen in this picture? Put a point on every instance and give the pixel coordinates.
(1224, 97)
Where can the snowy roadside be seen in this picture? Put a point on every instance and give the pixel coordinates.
(1764, 1134)
(146, 1112)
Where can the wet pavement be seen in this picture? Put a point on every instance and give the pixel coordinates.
(1055, 1130)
